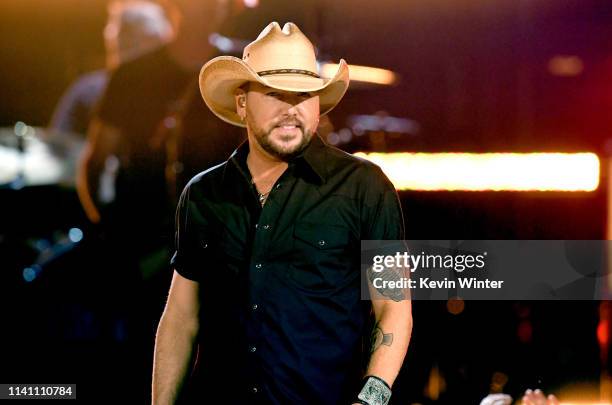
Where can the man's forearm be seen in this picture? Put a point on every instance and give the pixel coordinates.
(174, 347)
(390, 339)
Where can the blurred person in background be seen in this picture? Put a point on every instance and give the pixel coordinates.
(134, 27)
(98, 320)
(146, 115)
(145, 104)
(149, 111)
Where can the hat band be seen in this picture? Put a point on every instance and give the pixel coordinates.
(285, 71)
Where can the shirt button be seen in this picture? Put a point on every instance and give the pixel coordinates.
(254, 307)
(278, 186)
(253, 349)
(266, 226)
(204, 245)
(258, 266)
(254, 390)
(321, 242)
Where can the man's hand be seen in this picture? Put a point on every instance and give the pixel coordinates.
(537, 397)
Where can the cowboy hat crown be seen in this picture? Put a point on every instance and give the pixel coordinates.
(276, 50)
(282, 59)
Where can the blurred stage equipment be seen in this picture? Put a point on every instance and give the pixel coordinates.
(382, 122)
(32, 156)
(489, 171)
(363, 74)
(373, 132)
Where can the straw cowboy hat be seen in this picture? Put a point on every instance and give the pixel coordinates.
(281, 59)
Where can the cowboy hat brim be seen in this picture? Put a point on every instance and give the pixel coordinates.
(221, 76)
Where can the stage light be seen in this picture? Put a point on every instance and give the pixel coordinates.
(366, 74)
(565, 65)
(333, 138)
(251, 3)
(489, 171)
(603, 336)
(224, 44)
(585, 403)
(30, 273)
(345, 135)
(20, 128)
(455, 305)
(75, 235)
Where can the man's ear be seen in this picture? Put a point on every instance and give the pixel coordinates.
(240, 99)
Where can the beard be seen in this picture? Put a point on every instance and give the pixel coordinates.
(276, 145)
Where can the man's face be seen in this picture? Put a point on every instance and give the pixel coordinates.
(281, 122)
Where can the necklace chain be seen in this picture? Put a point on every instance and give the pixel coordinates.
(262, 197)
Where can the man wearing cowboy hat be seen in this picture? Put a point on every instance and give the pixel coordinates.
(267, 254)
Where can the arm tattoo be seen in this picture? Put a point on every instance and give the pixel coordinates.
(380, 338)
(387, 274)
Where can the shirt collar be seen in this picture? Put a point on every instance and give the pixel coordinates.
(310, 162)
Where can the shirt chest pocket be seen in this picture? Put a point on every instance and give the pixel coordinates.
(322, 257)
(216, 265)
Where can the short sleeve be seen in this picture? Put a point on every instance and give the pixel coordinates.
(70, 114)
(382, 216)
(76, 106)
(184, 260)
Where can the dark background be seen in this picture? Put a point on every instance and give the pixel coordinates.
(475, 77)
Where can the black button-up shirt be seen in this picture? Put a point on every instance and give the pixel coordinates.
(282, 321)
